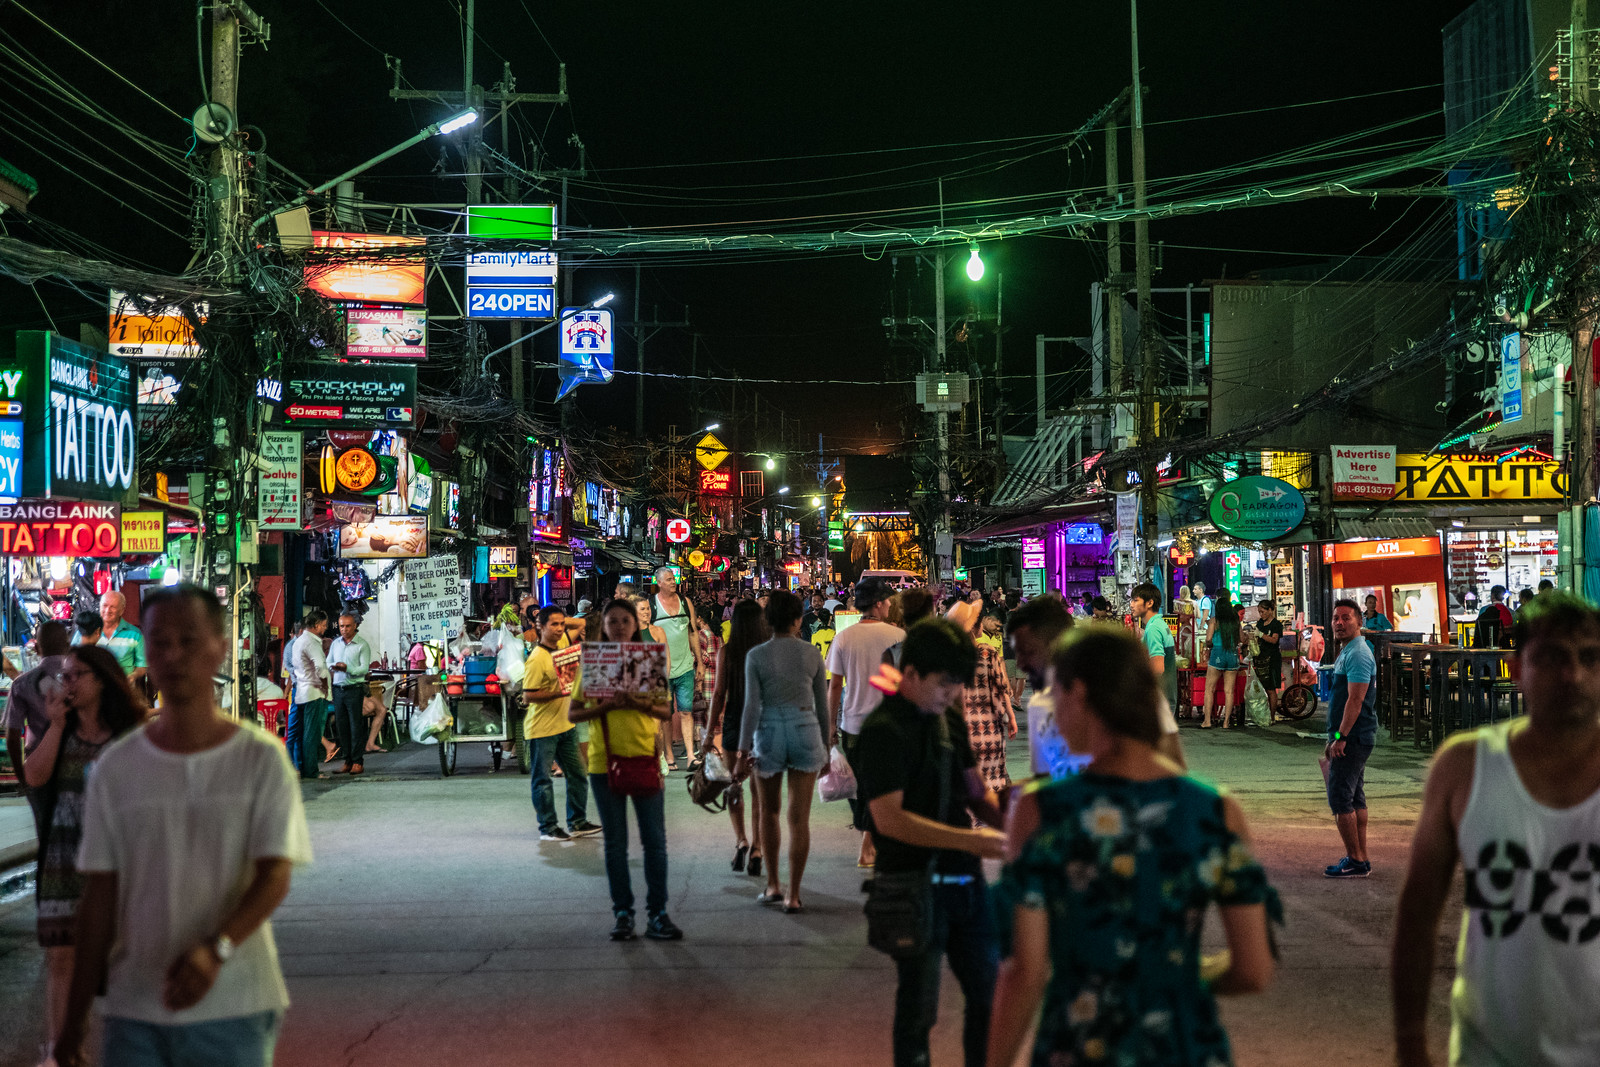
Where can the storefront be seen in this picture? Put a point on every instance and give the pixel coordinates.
(1406, 575)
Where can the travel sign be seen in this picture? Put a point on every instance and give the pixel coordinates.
(76, 405)
(1257, 508)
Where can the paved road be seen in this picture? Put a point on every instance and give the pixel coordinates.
(434, 927)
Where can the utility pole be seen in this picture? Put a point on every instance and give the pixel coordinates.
(227, 540)
(1149, 430)
(1581, 484)
(473, 96)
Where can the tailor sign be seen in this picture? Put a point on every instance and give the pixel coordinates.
(61, 528)
(76, 406)
(370, 395)
(150, 330)
(1257, 508)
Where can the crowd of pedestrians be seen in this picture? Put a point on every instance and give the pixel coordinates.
(1109, 854)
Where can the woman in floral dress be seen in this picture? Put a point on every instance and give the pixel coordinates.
(1107, 881)
(991, 718)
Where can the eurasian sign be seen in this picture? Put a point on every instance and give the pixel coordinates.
(1257, 508)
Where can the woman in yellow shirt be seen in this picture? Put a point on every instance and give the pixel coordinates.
(632, 722)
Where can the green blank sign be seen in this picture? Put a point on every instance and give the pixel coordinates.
(525, 222)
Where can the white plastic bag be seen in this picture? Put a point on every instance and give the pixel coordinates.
(837, 782)
(512, 659)
(431, 721)
(716, 769)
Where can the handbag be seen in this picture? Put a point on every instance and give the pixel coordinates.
(899, 912)
(705, 787)
(899, 906)
(630, 776)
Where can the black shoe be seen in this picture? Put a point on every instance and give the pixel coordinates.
(623, 930)
(753, 868)
(583, 828)
(558, 834)
(660, 928)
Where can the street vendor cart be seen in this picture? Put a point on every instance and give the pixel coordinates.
(477, 719)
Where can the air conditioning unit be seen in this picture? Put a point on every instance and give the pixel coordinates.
(942, 392)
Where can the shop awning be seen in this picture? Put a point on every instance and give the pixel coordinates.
(623, 558)
(551, 556)
(1384, 528)
(1035, 520)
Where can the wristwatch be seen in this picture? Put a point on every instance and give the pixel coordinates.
(223, 946)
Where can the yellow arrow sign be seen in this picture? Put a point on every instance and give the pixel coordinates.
(710, 452)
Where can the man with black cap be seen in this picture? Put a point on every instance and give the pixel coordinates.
(855, 656)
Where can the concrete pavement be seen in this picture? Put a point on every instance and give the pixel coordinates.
(433, 926)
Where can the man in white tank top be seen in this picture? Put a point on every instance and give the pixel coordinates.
(1518, 804)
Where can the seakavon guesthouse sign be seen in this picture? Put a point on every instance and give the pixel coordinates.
(1257, 508)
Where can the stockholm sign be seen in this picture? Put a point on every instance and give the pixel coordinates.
(1257, 508)
(76, 406)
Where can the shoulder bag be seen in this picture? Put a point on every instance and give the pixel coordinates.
(630, 776)
(899, 906)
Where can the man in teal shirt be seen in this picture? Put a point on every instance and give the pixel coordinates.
(1146, 604)
(120, 637)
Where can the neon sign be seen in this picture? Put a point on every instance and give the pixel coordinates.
(60, 528)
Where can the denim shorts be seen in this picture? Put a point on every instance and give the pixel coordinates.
(1347, 779)
(788, 739)
(682, 692)
(246, 1041)
(1223, 661)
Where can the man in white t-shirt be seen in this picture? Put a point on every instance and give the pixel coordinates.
(191, 826)
(855, 656)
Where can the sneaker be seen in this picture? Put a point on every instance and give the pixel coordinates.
(623, 930)
(661, 928)
(583, 828)
(558, 834)
(1348, 868)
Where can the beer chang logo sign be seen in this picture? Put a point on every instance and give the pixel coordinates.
(90, 433)
(1257, 508)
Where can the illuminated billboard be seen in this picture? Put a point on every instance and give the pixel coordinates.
(384, 279)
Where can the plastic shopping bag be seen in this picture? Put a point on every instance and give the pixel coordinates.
(837, 782)
(431, 721)
(512, 658)
(1257, 708)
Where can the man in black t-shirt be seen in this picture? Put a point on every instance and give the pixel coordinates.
(917, 773)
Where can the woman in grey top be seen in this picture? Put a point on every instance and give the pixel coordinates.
(784, 727)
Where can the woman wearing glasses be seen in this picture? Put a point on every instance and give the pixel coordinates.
(91, 704)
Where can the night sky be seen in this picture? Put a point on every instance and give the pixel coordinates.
(715, 115)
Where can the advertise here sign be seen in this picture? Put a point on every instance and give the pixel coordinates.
(61, 528)
(367, 395)
(1363, 472)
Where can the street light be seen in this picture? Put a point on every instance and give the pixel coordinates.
(714, 426)
(816, 501)
(772, 464)
(975, 265)
(782, 489)
(449, 125)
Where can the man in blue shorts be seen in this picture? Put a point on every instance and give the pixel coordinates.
(1352, 731)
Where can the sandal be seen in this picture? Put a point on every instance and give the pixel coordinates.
(793, 909)
(739, 855)
(753, 868)
(765, 897)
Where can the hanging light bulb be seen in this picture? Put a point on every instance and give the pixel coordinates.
(975, 265)
(59, 568)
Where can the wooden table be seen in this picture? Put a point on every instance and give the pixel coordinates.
(1437, 690)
